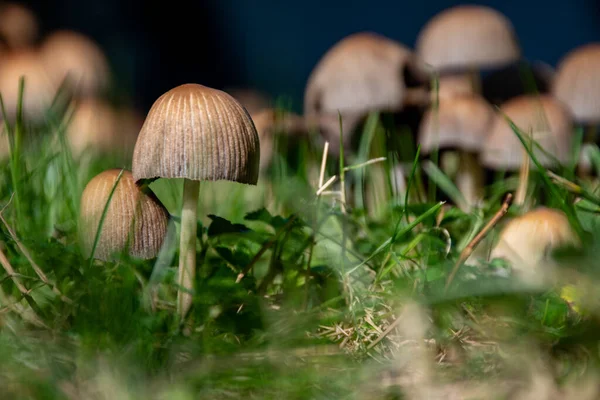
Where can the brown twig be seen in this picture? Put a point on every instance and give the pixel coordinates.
(466, 253)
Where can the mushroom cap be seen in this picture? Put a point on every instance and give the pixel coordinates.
(198, 133)
(467, 36)
(270, 122)
(548, 120)
(359, 74)
(18, 25)
(461, 122)
(74, 55)
(577, 83)
(131, 211)
(526, 240)
(39, 87)
(94, 125)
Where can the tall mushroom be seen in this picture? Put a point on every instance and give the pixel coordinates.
(461, 123)
(466, 38)
(135, 219)
(361, 73)
(199, 134)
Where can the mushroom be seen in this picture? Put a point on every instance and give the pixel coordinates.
(577, 83)
(467, 38)
(462, 123)
(527, 241)
(199, 134)
(39, 87)
(73, 55)
(360, 74)
(541, 118)
(135, 219)
(18, 25)
(94, 126)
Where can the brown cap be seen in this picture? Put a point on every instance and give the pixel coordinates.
(198, 133)
(526, 240)
(546, 118)
(94, 126)
(459, 122)
(18, 25)
(131, 212)
(67, 53)
(39, 88)
(577, 83)
(467, 36)
(361, 73)
(270, 122)
(252, 100)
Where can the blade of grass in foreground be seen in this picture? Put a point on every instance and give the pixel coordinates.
(104, 212)
(442, 181)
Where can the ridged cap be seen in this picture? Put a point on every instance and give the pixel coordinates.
(547, 119)
(130, 211)
(462, 122)
(39, 87)
(577, 83)
(68, 53)
(467, 36)
(197, 133)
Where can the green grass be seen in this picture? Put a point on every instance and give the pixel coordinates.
(326, 305)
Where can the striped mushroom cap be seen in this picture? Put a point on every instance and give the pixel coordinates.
(461, 122)
(197, 133)
(133, 217)
(467, 36)
(577, 83)
(545, 118)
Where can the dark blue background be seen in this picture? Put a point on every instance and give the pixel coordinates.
(273, 44)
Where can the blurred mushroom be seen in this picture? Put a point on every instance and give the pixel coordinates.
(18, 25)
(71, 55)
(94, 125)
(527, 241)
(39, 88)
(577, 83)
(135, 219)
(199, 134)
(361, 73)
(251, 99)
(467, 38)
(269, 123)
(460, 123)
(541, 118)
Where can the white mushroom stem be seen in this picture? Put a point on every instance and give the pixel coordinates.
(187, 246)
(469, 179)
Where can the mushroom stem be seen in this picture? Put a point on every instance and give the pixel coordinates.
(469, 179)
(187, 249)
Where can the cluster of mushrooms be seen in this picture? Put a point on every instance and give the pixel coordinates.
(203, 134)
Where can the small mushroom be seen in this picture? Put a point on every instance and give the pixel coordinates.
(527, 241)
(18, 25)
(39, 87)
(460, 123)
(577, 83)
(199, 134)
(467, 38)
(135, 219)
(72, 55)
(541, 118)
(360, 74)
